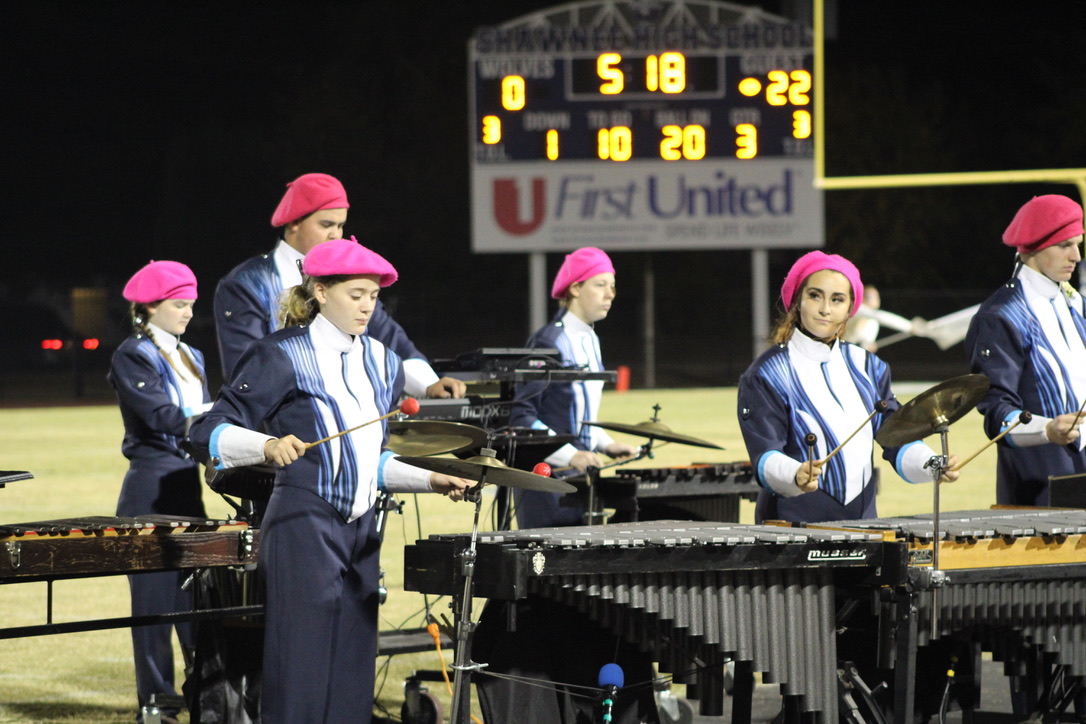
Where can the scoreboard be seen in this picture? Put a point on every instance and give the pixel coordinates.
(670, 105)
(643, 134)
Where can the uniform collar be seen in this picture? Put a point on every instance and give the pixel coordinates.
(164, 340)
(1037, 284)
(573, 323)
(811, 349)
(330, 335)
(288, 261)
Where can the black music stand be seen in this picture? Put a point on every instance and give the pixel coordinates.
(10, 476)
(1067, 491)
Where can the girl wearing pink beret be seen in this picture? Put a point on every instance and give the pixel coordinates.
(160, 385)
(812, 381)
(319, 552)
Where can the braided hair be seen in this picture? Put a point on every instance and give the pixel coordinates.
(139, 314)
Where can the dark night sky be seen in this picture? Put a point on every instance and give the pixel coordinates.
(137, 130)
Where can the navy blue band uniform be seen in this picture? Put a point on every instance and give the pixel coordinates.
(155, 402)
(806, 386)
(1028, 339)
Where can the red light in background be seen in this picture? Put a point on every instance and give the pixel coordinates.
(90, 343)
(51, 344)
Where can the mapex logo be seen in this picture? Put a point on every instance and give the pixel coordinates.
(580, 198)
(836, 554)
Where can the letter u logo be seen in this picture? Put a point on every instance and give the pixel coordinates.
(507, 206)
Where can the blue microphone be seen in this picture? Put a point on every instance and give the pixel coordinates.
(610, 680)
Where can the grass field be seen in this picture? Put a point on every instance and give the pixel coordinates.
(74, 454)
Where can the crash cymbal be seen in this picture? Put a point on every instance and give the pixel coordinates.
(655, 430)
(943, 404)
(495, 471)
(432, 437)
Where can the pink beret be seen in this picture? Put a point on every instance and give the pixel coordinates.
(816, 261)
(308, 193)
(161, 280)
(582, 264)
(1043, 221)
(346, 257)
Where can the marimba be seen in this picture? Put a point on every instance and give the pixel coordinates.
(1012, 581)
(53, 550)
(99, 545)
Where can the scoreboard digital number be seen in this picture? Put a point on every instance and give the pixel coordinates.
(619, 105)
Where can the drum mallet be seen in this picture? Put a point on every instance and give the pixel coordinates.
(410, 406)
(1023, 419)
(1080, 410)
(880, 406)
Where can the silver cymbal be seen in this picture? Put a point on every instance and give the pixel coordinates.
(432, 437)
(943, 404)
(654, 430)
(491, 469)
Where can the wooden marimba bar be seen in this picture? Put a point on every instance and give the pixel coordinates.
(79, 547)
(53, 550)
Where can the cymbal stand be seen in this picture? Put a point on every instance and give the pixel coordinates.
(937, 464)
(465, 627)
(504, 497)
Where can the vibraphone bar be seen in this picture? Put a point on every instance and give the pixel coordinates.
(695, 594)
(1009, 580)
(101, 546)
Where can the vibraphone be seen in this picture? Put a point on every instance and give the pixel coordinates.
(1011, 581)
(695, 594)
(99, 546)
(702, 491)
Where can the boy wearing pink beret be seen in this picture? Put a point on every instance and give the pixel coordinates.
(552, 643)
(1029, 338)
(585, 289)
(312, 211)
(160, 385)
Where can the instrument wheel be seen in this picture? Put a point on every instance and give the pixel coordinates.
(422, 709)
